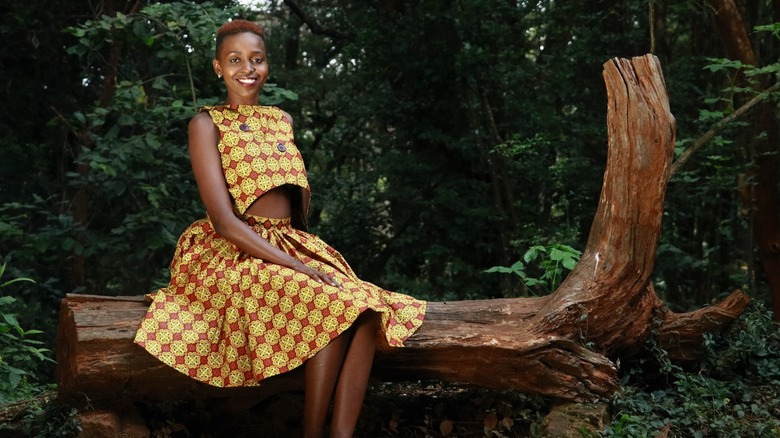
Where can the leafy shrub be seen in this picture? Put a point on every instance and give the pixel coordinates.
(19, 353)
(551, 261)
(737, 392)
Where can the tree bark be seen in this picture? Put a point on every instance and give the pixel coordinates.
(559, 346)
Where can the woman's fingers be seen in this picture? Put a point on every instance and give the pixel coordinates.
(330, 280)
(321, 277)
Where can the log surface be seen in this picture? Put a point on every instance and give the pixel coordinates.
(463, 341)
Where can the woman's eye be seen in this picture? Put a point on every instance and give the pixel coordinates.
(234, 60)
(259, 60)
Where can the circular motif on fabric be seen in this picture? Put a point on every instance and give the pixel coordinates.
(302, 350)
(150, 326)
(272, 336)
(287, 343)
(330, 323)
(231, 355)
(300, 310)
(244, 169)
(286, 303)
(176, 325)
(231, 139)
(322, 340)
(308, 333)
(294, 327)
(259, 165)
(321, 301)
(153, 347)
(179, 348)
(315, 317)
(272, 164)
(164, 336)
(264, 351)
(192, 361)
(336, 307)
(264, 182)
(218, 300)
(280, 359)
(270, 371)
(265, 314)
(161, 315)
(237, 339)
(204, 373)
(210, 315)
(280, 320)
(285, 164)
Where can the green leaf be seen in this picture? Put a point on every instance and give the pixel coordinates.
(11, 320)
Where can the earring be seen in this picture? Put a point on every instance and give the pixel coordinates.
(219, 75)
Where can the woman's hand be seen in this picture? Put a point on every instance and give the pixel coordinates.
(318, 276)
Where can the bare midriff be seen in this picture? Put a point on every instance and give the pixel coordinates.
(273, 204)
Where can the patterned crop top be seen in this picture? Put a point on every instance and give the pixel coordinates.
(258, 154)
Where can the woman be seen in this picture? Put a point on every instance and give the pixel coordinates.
(252, 295)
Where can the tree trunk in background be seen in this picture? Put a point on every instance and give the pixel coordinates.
(763, 144)
(560, 346)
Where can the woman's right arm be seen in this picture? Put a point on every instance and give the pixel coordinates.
(207, 167)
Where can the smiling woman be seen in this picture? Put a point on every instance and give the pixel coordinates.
(243, 63)
(252, 293)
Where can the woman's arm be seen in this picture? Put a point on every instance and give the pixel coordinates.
(207, 167)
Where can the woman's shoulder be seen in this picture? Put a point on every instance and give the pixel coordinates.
(200, 121)
(200, 116)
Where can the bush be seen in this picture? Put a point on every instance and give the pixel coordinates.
(19, 352)
(736, 393)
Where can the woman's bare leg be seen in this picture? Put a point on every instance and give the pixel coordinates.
(322, 371)
(353, 379)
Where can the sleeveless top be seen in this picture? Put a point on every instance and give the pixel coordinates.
(259, 154)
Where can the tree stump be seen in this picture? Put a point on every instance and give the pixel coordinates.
(559, 346)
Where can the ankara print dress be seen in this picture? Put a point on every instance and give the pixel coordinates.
(229, 319)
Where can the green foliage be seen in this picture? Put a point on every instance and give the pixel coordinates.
(550, 260)
(40, 417)
(691, 260)
(737, 392)
(20, 352)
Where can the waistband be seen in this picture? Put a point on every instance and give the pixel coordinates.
(266, 222)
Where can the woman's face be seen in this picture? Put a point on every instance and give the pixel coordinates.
(242, 63)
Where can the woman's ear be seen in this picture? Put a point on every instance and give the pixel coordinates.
(217, 67)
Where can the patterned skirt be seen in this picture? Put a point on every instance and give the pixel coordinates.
(229, 319)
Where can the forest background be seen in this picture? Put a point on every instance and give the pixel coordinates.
(441, 138)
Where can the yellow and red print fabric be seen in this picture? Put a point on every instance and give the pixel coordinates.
(229, 319)
(258, 152)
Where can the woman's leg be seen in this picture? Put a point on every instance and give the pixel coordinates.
(353, 379)
(322, 370)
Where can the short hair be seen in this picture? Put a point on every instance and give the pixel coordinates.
(234, 27)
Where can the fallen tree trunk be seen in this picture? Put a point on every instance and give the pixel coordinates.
(557, 346)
